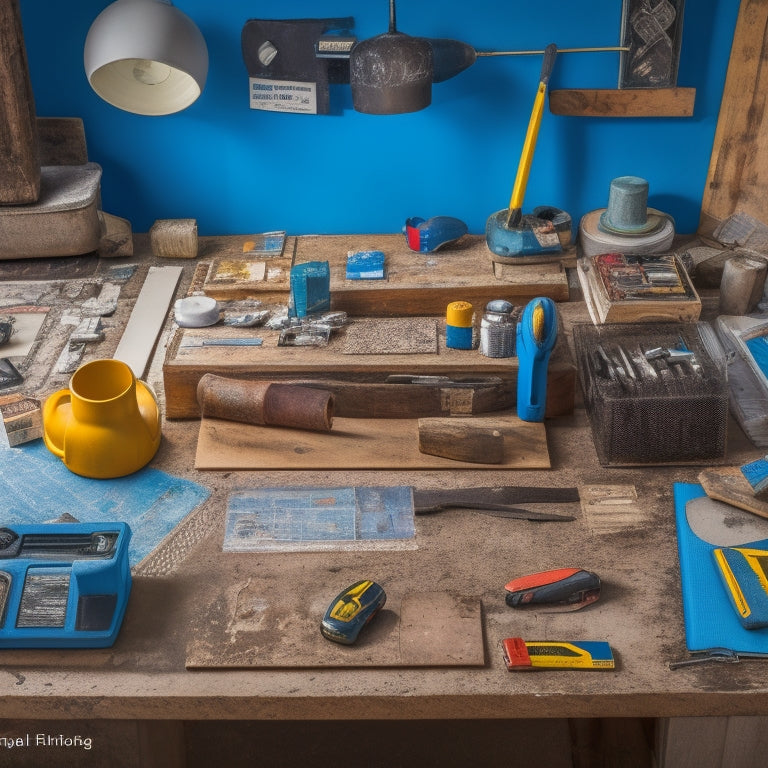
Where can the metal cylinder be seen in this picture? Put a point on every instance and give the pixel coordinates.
(498, 329)
(265, 403)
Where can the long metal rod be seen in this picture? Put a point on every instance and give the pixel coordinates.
(559, 51)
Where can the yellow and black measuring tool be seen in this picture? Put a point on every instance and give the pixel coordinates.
(744, 571)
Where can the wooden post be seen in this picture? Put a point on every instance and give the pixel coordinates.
(737, 181)
(19, 150)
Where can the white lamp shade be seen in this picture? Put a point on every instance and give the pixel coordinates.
(146, 56)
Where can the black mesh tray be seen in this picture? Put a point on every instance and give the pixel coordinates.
(654, 393)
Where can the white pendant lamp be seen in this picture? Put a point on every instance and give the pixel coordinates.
(146, 56)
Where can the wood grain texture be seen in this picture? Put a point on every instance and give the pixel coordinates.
(62, 141)
(262, 624)
(19, 148)
(462, 440)
(391, 444)
(415, 283)
(738, 174)
(185, 366)
(634, 102)
(728, 484)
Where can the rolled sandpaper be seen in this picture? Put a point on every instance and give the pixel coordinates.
(741, 287)
(265, 403)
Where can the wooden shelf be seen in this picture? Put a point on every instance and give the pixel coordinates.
(634, 102)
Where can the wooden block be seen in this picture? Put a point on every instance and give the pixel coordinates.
(728, 484)
(425, 283)
(62, 141)
(462, 440)
(21, 418)
(185, 366)
(174, 238)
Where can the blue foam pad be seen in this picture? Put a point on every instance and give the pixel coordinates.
(36, 487)
(710, 620)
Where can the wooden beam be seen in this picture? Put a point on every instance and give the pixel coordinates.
(738, 172)
(19, 153)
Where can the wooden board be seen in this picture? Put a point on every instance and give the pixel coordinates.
(185, 366)
(634, 102)
(415, 283)
(391, 444)
(229, 274)
(728, 484)
(738, 173)
(262, 628)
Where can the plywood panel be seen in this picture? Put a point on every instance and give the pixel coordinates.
(356, 444)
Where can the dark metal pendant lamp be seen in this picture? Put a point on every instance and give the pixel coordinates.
(391, 73)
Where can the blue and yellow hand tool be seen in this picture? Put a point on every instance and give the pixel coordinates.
(536, 336)
(522, 655)
(565, 589)
(744, 571)
(351, 610)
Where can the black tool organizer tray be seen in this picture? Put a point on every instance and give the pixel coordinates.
(654, 393)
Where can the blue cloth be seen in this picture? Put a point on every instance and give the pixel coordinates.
(36, 487)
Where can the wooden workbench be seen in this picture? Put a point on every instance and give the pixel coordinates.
(143, 677)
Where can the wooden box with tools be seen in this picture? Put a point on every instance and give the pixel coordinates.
(409, 373)
(654, 393)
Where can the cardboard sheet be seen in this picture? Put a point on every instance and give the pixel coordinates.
(357, 444)
(260, 627)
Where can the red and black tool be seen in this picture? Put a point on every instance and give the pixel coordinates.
(565, 589)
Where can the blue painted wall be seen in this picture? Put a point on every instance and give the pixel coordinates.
(238, 170)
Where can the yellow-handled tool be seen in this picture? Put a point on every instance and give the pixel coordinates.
(529, 145)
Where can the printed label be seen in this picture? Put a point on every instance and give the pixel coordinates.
(283, 96)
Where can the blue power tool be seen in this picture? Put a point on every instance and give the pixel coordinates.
(63, 585)
(536, 336)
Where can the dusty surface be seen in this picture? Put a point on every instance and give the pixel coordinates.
(144, 677)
